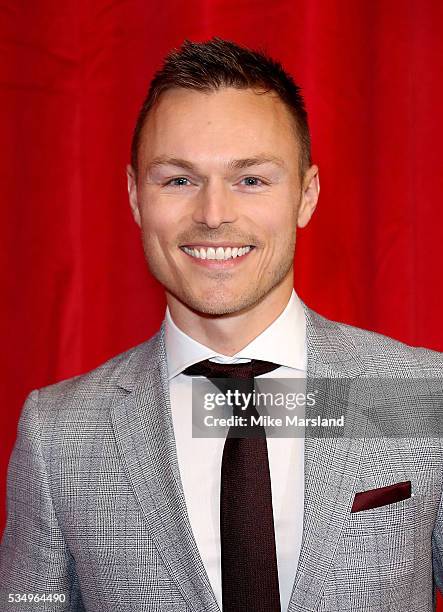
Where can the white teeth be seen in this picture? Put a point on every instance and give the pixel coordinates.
(219, 253)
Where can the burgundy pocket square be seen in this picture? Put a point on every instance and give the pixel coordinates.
(365, 500)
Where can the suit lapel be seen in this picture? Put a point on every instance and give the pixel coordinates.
(331, 464)
(144, 433)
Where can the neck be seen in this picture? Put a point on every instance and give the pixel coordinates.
(229, 334)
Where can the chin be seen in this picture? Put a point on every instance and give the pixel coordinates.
(216, 310)
(218, 304)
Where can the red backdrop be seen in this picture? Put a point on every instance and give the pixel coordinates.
(75, 286)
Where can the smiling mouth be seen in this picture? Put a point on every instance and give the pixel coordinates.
(217, 253)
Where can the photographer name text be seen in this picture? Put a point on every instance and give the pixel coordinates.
(269, 421)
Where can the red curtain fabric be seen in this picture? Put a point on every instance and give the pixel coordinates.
(75, 287)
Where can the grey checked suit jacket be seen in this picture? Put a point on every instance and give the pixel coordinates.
(96, 508)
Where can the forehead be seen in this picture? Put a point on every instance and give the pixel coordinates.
(227, 123)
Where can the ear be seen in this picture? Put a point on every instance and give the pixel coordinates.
(132, 191)
(310, 193)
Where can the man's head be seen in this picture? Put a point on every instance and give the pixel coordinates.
(221, 158)
(216, 64)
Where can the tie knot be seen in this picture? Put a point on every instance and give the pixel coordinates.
(211, 369)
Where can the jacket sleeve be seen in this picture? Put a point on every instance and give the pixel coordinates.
(34, 558)
(437, 547)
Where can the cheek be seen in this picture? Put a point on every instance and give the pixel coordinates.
(162, 216)
(277, 222)
(157, 225)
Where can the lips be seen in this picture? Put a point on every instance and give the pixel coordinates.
(218, 253)
(217, 257)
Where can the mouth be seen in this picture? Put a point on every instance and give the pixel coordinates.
(217, 255)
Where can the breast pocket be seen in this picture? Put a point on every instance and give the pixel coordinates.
(391, 518)
(380, 542)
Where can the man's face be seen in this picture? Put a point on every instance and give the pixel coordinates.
(219, 195)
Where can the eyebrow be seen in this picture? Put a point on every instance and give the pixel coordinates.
(233, 164)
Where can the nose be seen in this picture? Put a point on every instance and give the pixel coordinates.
(214, 205)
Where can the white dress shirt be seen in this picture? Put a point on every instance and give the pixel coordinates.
(199, 459)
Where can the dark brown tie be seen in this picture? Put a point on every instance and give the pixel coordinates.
(248, 555)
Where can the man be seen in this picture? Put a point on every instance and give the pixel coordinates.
(113, 504)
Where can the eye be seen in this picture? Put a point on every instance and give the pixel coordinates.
(252, 181)
(179, 181)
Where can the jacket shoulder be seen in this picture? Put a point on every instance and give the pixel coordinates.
(383, 354)
(103, 379)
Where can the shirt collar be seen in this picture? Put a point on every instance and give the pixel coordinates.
(283, 342)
